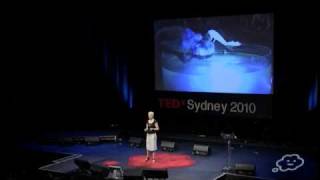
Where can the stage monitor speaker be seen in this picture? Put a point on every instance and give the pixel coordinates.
(90, 140)
(168, 146)
(132, 174)
(135, 142)
(245, 169)
(203, 150)
(155, 174)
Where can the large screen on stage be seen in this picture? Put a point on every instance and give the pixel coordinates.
(225, 54)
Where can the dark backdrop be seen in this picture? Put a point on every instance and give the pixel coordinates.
(69, 69)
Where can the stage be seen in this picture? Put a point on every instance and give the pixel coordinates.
(202, 71)
(181, 164)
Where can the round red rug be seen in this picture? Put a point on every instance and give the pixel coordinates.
(163, 161)
(110, 163)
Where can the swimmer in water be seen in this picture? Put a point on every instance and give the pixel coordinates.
(205, 45)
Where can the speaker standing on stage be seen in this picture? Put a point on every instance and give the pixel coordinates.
(151, 129)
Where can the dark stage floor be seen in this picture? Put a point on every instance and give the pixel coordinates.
(181, 164)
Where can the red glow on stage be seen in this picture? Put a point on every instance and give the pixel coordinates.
(163, 161)
(110, 163)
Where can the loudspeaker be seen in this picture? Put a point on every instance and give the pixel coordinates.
(159, 174)
(245, 169)
(167, 146)
(135, 142)
(91, 140)
(132, 174)
(203, 150)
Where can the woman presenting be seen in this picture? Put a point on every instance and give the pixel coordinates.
(151, 129)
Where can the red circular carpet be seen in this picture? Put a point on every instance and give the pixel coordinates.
(110, 163)
(163, 161)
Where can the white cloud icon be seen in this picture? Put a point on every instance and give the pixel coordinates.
(291, 162)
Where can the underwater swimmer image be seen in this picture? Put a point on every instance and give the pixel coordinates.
(190, 61)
